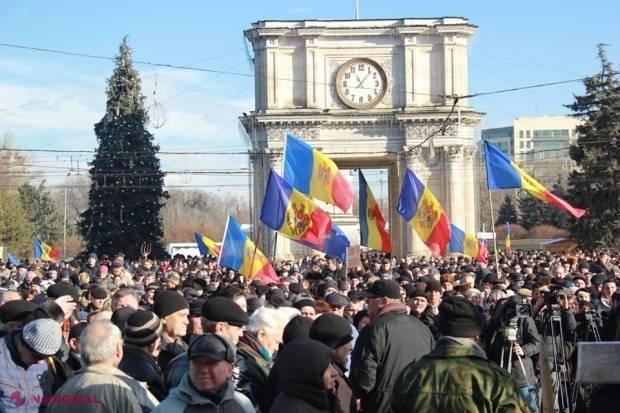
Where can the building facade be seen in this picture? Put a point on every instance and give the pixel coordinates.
(368, 94)
(534, 138)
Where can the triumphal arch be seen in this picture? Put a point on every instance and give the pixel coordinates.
(368, 94)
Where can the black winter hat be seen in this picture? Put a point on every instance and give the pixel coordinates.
(225, 310)
(384, 288)
(331, 330)
(277, 298)
(62, 289)
(99, 293)
(298, 327)
(459, 318)
(120, 316)
(168, 302)
(142, 328)
(16, 310)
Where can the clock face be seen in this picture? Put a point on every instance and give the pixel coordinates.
(360, 83)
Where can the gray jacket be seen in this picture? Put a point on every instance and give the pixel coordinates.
(185, 398)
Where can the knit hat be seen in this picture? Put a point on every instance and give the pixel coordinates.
(303, 301)
(331, 330)
(142, 328)
(168, 302)
(459, 318)
(43, 336)
(225, 310)
(298, 327)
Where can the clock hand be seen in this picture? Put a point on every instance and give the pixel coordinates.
(363, 80)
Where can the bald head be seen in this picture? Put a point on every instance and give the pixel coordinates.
(101, 343)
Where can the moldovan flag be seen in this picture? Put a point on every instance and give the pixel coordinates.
(206, 246)
(335, 244)
(239, 253)
(502, 173)
(507, 246)
(372, 224)
(45, 252)
(292, 214)
(313, 173)
(466, 244)
(420, 208)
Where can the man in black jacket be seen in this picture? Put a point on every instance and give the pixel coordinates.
(140, 347)
(391, 341)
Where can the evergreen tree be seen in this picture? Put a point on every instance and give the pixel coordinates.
(529, 210)
(41, 212)
(507, 213)
(596, 185)
(557, 217)
(16, 232)
(126, 193)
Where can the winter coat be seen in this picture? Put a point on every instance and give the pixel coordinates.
(385, 346)
(530, 342)
(143, 367)
(21, 387)
(456, 377)
(300, 368)
(253, 368)
(113, 390)
(186, 399)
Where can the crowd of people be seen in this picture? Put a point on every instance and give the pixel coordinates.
(427, 334)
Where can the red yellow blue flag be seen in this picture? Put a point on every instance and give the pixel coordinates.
(312, 173)
(292, 214)
(466, 244)
(45, 252)
(373, 233)
(420, 208)
(502, 173)
(507, 243)
(239, 253)
(206, 246)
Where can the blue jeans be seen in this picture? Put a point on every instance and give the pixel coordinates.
(528, 395)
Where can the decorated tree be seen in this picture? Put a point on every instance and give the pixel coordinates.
(595, 186)
(16, 231)
(507, 212)
(126, 194)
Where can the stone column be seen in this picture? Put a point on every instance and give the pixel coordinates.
(454, 190)
(469, 188)
(312, 71)
(415, 160)
(264, 161)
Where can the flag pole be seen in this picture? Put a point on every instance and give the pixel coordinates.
(219, 259)
(255, 246)
(494, 237)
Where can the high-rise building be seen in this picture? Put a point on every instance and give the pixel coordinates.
(534, 137)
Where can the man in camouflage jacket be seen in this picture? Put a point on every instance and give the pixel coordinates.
(456, 376)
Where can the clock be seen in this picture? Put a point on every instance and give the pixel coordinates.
(360, 83)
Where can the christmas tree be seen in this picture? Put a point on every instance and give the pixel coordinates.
(126, 194)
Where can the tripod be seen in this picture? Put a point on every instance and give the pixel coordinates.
(511, 332)
(582, 392)
(553, 325)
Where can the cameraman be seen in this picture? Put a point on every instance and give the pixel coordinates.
(511, 340)
(557, 325)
